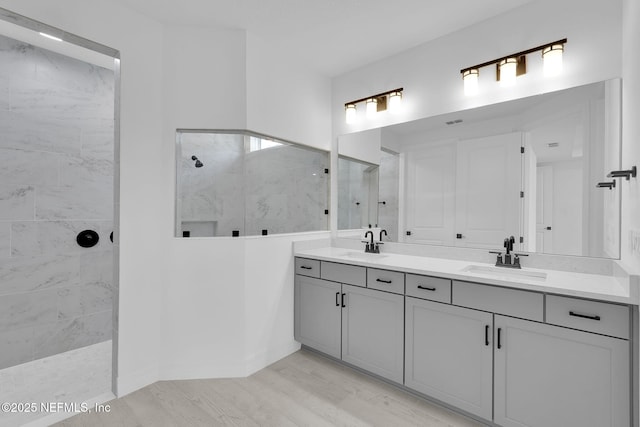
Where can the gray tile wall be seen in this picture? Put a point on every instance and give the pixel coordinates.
(56, 179)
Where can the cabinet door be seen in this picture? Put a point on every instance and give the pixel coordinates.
(373, 331)
(551, 376)
(449, 354)
(317, 314)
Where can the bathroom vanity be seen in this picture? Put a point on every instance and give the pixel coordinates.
(514, 347)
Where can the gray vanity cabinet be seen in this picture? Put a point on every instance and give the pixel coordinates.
(449, 354)
(317, 313)
(552, 376)
(372, 331)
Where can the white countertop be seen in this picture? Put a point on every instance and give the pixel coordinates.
(593, 286)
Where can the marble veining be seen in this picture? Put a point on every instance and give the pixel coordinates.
(56, 179)
(5, 241)
(23, 167)
(21, 131)
(27, 309)
(16, 202)
(50, 237)
(81, 200)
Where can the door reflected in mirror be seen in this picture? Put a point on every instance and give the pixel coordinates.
(527, 168)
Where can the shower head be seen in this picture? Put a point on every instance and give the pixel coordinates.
(199, 164)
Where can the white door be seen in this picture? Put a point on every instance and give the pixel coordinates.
(430, 214)
(317, 314)
(488, 175)
(449, 354)
(373, 331)
(548, 376)
(544, 209)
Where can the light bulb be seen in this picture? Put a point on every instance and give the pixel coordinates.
(470, 80)
(350, 113)
(552, 57)
(395, 102)
(508, 69)
(372, 108)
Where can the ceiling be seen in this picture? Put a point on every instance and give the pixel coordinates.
(330, 36)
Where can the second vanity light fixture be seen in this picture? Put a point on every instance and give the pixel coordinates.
(510, 66)
(390, 100)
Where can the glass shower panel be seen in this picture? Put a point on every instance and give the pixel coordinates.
(286, 189)
(241, 183)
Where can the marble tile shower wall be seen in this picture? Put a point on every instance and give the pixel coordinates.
(56, 179)
(286, 190)
(214, 191)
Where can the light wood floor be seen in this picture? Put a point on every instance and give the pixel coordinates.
(303, 389)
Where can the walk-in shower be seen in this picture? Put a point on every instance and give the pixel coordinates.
(57, 127)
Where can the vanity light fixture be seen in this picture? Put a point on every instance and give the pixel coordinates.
(552, 58)
(391, 100)
(470, 79)
(507, 71)
(395, 102)
(372, 107)
(350, 113)
(510, 66)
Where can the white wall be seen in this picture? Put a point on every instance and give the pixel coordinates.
(430, 73)
(285, 99)
(630, 130)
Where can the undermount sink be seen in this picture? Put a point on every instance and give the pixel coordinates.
(505, 272)
(363, 255)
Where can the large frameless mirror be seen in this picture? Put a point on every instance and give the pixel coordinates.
(528, 168)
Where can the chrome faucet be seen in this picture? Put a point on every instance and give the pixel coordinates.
(508, 245)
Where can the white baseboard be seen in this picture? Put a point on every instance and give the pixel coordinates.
(265, 358)
(184, 371)
(126, 384)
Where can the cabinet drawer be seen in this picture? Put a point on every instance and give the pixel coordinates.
(593, 316)
(384, 280)
(344, 273)
(512, 302)
(308, 267)
(431, 288)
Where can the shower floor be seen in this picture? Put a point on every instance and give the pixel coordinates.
(77, 376)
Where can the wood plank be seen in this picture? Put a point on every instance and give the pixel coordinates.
(302, 389)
